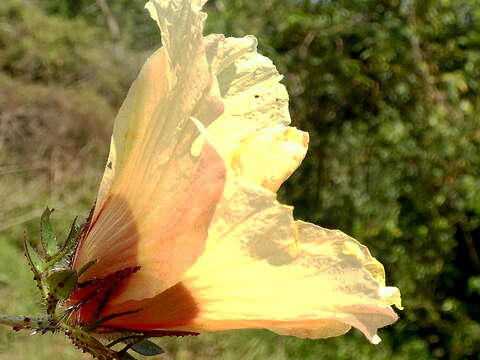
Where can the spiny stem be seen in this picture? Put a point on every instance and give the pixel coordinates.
(24, 322)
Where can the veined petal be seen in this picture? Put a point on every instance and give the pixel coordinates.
(156, 200)
(251, 90)
(260, 269)
(251, 135)
(177, 74)
(147, 91)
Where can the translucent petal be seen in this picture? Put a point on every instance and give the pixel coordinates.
(268, 157)
(251, 134)
(156, 199)
(260, 269)
(252, 93)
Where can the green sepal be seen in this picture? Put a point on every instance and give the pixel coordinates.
(62, 283)
(48, 237)
(34, 259)
(88, 343)
(35, 263)
(68, 247)
(72, 237)
(147, 348)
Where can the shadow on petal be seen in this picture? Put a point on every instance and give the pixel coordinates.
(172, 308)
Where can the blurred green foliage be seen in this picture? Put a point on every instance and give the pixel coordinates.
(36, 47)
(389, 91)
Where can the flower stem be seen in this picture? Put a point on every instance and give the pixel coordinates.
(24, 322)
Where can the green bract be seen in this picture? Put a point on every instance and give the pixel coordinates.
(49, 239)
(51, 265)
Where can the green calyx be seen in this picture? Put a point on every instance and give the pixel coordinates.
(48, 236)
(51, 263)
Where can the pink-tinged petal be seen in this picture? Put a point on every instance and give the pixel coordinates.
(176, 237)
(170, 309)
(156, 200)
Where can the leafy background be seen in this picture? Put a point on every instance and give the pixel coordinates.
(389, 91)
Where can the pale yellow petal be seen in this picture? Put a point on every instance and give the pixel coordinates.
(260, 269)
(178, 74)
(268, 157)
(251, 90)
(156, 200)
(256, 107)
(147, 91)
(316, 286)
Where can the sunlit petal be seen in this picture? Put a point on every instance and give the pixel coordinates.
(252, 93)
(251, 135)
(156, 200)
(260, 269)
(268, 157)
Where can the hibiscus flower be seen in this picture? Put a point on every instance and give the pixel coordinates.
(187, 234)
